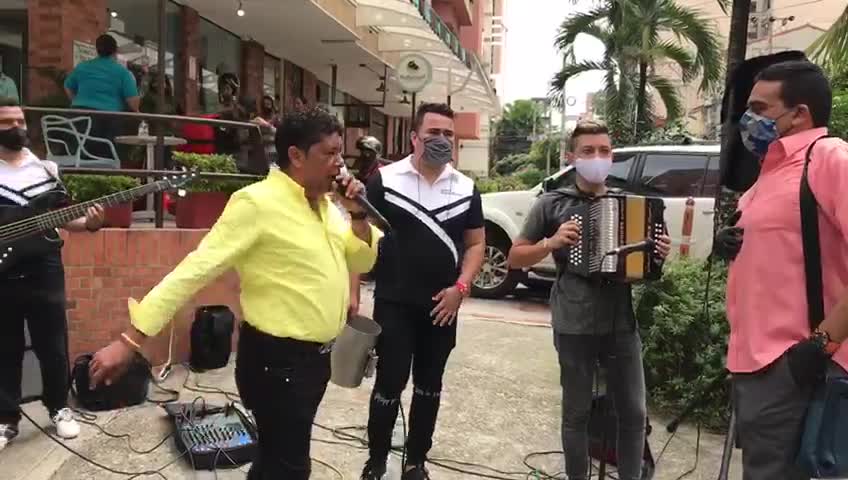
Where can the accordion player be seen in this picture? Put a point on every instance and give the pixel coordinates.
(610, 222)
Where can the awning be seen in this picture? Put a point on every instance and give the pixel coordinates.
(411, 26)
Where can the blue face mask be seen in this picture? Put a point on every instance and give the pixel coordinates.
(758, 132)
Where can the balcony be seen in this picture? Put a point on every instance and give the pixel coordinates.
(413, 26)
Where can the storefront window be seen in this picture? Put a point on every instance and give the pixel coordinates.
(271, 78)
(378, 126)
(220, 53)
(12, 53)
(134, 24)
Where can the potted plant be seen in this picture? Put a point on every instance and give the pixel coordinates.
(205, 199)
(84, 188)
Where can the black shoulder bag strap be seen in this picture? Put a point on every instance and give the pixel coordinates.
(811, 246)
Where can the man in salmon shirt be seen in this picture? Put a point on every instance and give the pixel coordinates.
(774, 357)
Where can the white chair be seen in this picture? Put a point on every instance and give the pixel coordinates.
(66, 140)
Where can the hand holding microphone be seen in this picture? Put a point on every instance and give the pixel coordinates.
(351, 194)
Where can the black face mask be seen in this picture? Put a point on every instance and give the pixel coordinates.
(14, 139)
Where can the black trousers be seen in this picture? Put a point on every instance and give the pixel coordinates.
(41, 304)
(409, 340)
(282, 381)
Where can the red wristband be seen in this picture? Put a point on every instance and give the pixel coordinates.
(462, 287)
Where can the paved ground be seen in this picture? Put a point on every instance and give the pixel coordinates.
(502, 402)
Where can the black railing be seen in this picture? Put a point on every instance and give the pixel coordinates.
(251, 160)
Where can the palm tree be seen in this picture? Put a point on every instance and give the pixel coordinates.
(637, 37)
(831, 49)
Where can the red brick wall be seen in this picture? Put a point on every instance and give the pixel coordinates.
(53, 27)
(103, 269)
(190, 46)
(252, 69)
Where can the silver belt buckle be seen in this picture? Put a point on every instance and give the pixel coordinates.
(327, 347)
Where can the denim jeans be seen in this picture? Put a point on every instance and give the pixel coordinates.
(621, 354)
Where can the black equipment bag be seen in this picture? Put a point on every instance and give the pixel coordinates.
(211, 337)
(130, 389)
(603, 433)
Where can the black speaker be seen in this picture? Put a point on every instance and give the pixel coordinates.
(739, 167)
(130, 389)
(211, 337)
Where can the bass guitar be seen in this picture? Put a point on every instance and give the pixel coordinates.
(30, 230)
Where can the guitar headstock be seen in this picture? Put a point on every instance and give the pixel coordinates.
(178, 179)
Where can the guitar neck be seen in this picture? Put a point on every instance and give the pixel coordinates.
(60, 217)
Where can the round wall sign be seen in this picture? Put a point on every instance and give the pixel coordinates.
(414, 72)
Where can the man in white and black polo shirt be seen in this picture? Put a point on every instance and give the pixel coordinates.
(33, 289)
(423, 272)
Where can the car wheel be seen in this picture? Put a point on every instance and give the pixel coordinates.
(495, 279)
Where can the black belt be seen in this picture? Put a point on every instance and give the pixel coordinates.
(271, 341)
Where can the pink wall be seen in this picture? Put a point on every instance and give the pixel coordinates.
(471, 37)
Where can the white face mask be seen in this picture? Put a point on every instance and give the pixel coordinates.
(593, 170)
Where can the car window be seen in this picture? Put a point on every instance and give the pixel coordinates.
(619, 173)
(670, 175)
(711, 178)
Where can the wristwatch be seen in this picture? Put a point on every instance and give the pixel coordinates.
(823, 339)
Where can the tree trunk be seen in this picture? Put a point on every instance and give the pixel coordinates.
(736, 52)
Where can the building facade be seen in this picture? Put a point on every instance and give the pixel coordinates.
(340, 54)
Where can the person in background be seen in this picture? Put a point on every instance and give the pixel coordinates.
(106, 85)
(33, 289)
(592, 320)
(268, 119)
(774, 358)
(294, 289)
(8, 89)
(300, 103)
(426, 265)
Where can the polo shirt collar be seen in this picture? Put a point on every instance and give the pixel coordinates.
(290, 187)
(407, 167)
(787, 147)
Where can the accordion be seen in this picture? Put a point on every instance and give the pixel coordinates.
(610, 222)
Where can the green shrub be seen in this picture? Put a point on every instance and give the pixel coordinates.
(205, 163)
(530, 176)
(500, 184)
(89, 187)
(839, 117)
(684, 349)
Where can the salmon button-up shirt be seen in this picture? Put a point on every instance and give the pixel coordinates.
(766, 286)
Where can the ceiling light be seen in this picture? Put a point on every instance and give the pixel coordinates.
(240, 11)
(114, 14)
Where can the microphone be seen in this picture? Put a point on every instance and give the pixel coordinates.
(363, 202)
(644, 245)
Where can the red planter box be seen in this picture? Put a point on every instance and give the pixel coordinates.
(200, 209)
(119, 216)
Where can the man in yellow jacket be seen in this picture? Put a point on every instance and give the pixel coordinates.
(294, 253)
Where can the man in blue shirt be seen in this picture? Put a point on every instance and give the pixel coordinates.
(103, 84)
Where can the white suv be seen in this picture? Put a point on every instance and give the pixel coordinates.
(675, 173)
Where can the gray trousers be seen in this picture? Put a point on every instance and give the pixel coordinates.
(621, 354)
(770, 411)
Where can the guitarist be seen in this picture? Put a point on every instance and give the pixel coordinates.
(33, 289)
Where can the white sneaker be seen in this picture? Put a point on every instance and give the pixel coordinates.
(66, 426)
(7, 433)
